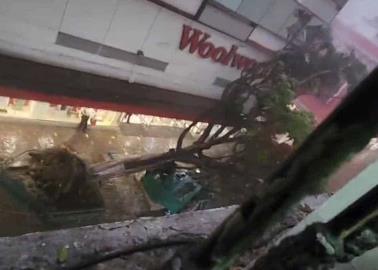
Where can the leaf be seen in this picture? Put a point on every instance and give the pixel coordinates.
(257, 81)
(62, 254)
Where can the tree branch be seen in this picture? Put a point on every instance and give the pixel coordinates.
(205, 133)
(313, 76)
(183, 135)
(89, 245)
(132, 165)
(218, 132)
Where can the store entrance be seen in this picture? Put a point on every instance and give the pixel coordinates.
(45, 111)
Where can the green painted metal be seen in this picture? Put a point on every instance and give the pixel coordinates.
(171, 189)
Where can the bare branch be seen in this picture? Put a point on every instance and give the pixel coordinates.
(201, 117)
(313, 76)
(205, 133)
(183, 134)
(231, 132)
(218, 132)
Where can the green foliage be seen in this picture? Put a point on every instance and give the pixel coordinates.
(62, 255)
(262, 154)
(298, 124)
(281, 119)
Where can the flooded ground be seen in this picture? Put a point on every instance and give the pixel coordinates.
(124, 197)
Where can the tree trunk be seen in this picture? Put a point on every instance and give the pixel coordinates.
(185, 155)
(77, 248)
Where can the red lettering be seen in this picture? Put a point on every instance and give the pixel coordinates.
(192, 38)
(218, 54)
(236, 60)
(242, 62)
(206, 49)
(250, 63)
(231, 54)
(196, 40)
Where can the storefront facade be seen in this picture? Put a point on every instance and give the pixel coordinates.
(16, 108)
(356, 28)
(37, 110)
(194, 48)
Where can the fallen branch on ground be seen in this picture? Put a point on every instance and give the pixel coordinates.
(90, 245)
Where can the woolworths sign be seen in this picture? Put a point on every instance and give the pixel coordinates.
(199, 42)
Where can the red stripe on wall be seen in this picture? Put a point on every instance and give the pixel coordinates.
(76, 102)
(21, 78)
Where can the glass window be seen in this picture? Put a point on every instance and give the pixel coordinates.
(272, 15)
(225, 22)
(254, 9)
(279, 13)
(231, 4)
(324, 9)
(190, 7)
(267, 39)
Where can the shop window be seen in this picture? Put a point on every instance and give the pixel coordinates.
(19, 106)
(4, 102)
(230, 4)
(274, 15)
(190, 7)
(254, 9)
(267, 39)
(280, 15)
(326, 10)
(30, 109)
(226, 21)
(15, 107)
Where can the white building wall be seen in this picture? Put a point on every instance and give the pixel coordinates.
(356, 28)
(271, 41)
(326, 10)
(29, 28)
(89, 19)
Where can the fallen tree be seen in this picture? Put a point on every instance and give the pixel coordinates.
(251, 112)
(78, 248)
(270, 88)
(254, 108)
(346, 132)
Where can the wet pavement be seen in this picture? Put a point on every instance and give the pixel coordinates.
(124, 197)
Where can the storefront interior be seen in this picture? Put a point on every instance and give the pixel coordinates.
(45, 111)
